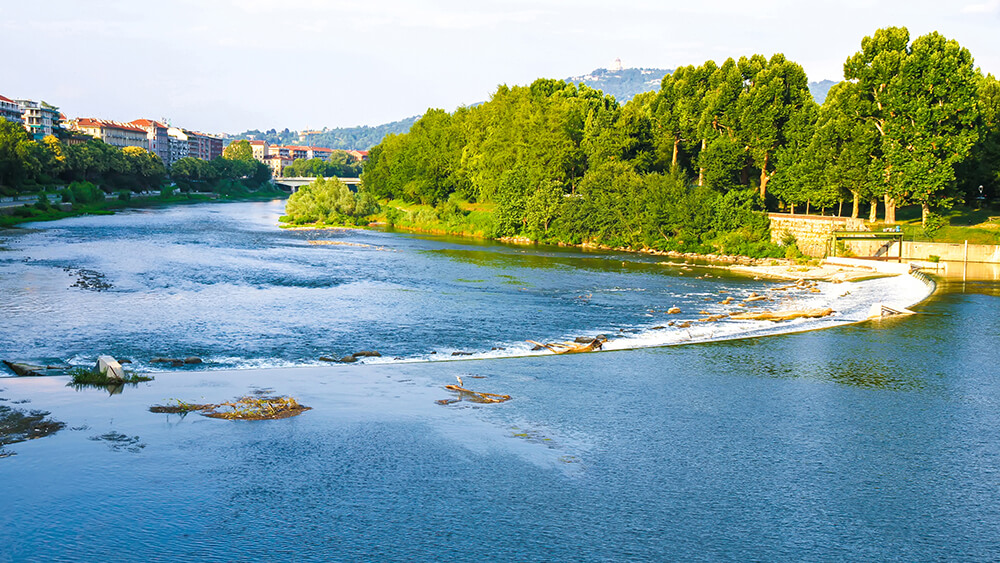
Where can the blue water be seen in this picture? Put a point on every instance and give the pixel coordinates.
(870, 441)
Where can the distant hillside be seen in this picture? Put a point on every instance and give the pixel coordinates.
(820, 89)
(361, 138)
(623, 84)
(346, 138)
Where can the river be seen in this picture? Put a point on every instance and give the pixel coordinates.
(865, 440)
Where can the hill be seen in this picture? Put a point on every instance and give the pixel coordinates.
(820, 89)
(623, 83)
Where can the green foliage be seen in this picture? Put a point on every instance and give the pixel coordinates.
(340, 165)
(84, 376)
(238, 150)
(932, 224)
(329, 201)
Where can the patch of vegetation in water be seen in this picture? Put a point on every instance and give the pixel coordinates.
(19, 426)
(258, 407)
(86, 377)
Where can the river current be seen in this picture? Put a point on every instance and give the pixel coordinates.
(863, 441)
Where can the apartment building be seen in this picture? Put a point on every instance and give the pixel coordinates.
(40, 119)
(10, 111)
(114, 133)
(157, 139)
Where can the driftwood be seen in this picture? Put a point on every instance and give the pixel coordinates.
(570, 347)
(782, 315)
(477, 396)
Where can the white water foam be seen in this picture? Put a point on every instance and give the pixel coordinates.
(850, 301)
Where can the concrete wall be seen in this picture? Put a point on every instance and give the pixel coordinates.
(924, 250)
(812, 233)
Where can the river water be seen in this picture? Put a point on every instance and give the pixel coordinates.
(871, 440)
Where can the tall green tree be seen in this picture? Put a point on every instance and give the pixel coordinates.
(238, 150)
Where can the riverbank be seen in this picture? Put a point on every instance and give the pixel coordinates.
(28, 213)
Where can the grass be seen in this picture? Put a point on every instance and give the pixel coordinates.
(84, 376)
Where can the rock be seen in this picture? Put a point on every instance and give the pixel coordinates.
(658, 327)
(537, 348)
(583, 339)
(110, 368)
(671, 323)
(23, 369)
(159, 360)
(367, 354)
(674, 311)
(348, 359)
(684, 325)
(461, 353)
(192, 360)
(497, 348)
(327, 359)
(123, 361)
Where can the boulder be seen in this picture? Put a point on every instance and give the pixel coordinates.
(327, 359)
(674, 311)
(110, 368)
(23, 369)
(461, 353)
(367, 354)
(348, 359)
(192, 360)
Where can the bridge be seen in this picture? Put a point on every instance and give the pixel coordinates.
(293, 184)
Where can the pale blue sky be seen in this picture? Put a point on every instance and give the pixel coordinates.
(230, 65)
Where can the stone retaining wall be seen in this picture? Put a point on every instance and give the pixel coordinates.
(812, 233)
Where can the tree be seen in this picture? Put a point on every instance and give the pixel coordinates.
(238, 150)
(922, 100)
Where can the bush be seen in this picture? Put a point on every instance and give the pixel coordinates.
(124, 195)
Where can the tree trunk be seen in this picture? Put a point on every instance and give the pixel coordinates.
(763, 178)
(807, 207)
(890, 209)
(857, 205)
(840, 208)
(673, 160)
(793, 209)
(925, 211)
(701, 171)
(873, 213)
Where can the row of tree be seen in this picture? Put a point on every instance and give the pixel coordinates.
(912, 122)
(26, 165)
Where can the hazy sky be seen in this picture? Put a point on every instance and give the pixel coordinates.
(231, 65)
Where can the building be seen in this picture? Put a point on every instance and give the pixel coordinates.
(114, 133)
(40, 119)
(158, 141)
(260, 149)
(10, 111)
(199, 145)
(359, 156)
(177, 147)
(296, 152)
(277, 163)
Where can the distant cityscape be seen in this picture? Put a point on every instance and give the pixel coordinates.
(168, 142)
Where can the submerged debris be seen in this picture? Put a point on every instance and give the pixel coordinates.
(89, 279)
(120, 442)
(474, 396)
(244, 408)
(19, 426)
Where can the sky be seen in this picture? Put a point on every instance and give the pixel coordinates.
(231, 65)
